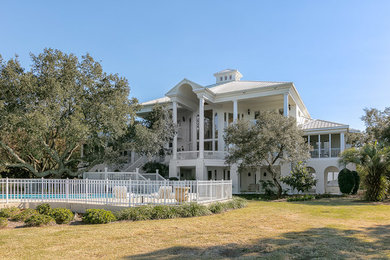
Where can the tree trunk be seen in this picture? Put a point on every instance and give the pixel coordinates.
(276, 181)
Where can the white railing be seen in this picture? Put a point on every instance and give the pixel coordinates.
(155, 176)
(214, 155)
(187, 155)
(114, 176)
(128, 193)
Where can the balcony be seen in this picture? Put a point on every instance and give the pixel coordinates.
(214, 155)
(190, 155)
(334, 152)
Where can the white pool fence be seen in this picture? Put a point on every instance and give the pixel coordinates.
(114, 192)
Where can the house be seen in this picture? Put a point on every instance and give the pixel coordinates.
(202, 112)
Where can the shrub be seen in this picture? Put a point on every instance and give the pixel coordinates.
(237, 203)
(346, 181)
(218, 207)
(38, 220)
(3, 222)
(357, 182)
(301, 198)
(192, 210)
(98, 216)
(25, 214)
(300, 178)
(61, 215)
(9, 212)
(164, 212)
(268, 187)
(43, 208)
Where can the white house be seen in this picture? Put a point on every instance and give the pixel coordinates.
(202, 113)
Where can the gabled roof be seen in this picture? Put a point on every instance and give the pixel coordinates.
(158, 100)
(319, 124)
(233, 86)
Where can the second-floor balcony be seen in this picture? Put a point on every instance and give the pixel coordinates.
(325, 153)
(190, 155)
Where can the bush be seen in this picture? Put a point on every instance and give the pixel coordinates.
(25, 214)
(192, 210)
(357, 182)
(268, 187)
(184, 210)
(301, 198)
(9, 212)
(164, 212)
(43, 208)
(218, 207)
(136, 213)
(346, 181)
(300, 178)
(3, 222)
(61, 215)
(98, 216)
(237, 203)
(38, 220)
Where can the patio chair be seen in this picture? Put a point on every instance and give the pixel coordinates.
(120, 192)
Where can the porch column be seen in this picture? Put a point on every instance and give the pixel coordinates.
(235, 111)
(174, 118)
(342, 142)
(319, 146)
(201, 127)
(285, 104)
(193, 132)
(330, 145)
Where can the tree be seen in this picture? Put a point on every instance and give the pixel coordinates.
(60, 107)
(373, 163)
(150, 135)
(377, 124)
(272, 140)
(163, 169)
(300, 178)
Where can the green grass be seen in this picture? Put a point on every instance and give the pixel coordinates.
(335, 228)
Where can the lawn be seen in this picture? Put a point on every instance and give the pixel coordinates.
(327, 228)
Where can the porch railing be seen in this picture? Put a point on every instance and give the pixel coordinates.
(187, 155)
(126, 193)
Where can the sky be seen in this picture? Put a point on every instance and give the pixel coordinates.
(337, 53)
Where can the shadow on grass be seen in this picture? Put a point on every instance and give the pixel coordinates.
(324, 243)
(335, 202)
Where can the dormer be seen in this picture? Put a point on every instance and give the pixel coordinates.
(227, 75)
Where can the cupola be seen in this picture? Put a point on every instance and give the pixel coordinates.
(227, 75)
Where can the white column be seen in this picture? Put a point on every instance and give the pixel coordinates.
(194, 134)
(319, 146)
(235, 111)
(213, 129)
(201, 127)
(342, 142)
(330, 145)
(174, 118)
(285, 105)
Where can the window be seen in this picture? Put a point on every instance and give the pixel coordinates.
(220, 78)
(209, 173)
(225, 77)
(333, 178)
(249, 174)
(230, 77)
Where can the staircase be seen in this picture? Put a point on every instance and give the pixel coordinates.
(137, 164)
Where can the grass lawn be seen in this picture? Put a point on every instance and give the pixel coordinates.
(335, 228)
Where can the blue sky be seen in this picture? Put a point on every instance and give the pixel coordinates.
(336, 52)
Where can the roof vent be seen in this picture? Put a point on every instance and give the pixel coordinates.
(227, 75)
